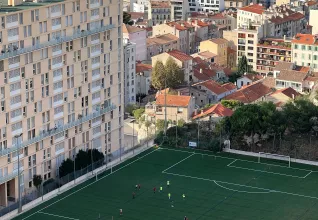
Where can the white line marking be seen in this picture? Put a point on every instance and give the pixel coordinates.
(45, 213)
(307, 174)
(263, 171)
(89, 185)
(252, 187)
(212, 155)
(232, 162)
(238, 190)
(178, 162)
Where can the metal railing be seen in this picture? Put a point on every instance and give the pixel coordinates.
(57, 130)
(53, 42)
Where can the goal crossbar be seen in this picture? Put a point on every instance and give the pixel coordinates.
(273, 156)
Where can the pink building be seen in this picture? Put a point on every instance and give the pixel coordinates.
(138, 36)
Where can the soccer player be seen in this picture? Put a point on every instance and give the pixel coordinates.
(169, 195)
(133, 195)
(185, 218)
(168, 183)
(183, 196)
(136, 186)
(121, 211)
(154, 190)
(139, 186)
(160, 188)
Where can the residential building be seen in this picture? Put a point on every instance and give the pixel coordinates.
(313, 21)
(206, 6)
(200, 96)
(180, 9)
(247, 79)
(183, 60)
(206, 56)
(201, 29)
(175, 106)
(282, 96)
(235, 3)
(160, 44)
(270, 51)
(213, 113)
(214, 90)
(305, 51)
(184, 31)
(129, 73)
(204, 71)
(139, 6)
(249, 94)
(250, 14)
(217, 46)
(137, 16)
(143, 78)
(160, 12)
(61, 86)
(225, 19)
(137, 36)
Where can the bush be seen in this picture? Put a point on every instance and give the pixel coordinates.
(130, 108)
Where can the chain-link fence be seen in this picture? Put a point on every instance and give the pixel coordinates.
(55, 185)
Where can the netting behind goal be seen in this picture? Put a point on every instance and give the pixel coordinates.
(280, 158)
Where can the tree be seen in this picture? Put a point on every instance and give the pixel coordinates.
(97, 155)
(66, 167)
(231, 104)
(181, 122)
(242, 66)
(37, 180)
(174, 73)
(171, 73)
(127, 19)
(130, 108)
(158, 75)
(138, 113)
(82, 160)
(160, 125)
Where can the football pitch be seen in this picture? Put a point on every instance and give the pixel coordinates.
(216, 186)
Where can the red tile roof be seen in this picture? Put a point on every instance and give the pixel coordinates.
(160, 4)
(173, 100)
(215, 87)
(252, 77)
(305, 39)
(179, 55)
(136, 15)
(291, 75)
(250, 93)
(257, 9)
(131, 29)
(142, 67)
(203, 72)
(217, 109)
(218, 40)
(290, 92)
(304, 69)
(179, 27)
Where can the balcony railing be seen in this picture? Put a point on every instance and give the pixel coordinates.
(57, 130)
(9, 176)
(53, 42)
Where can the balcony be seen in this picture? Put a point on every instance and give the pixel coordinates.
(59, 129)
(53, 42)
(10, 176)
(58, 115)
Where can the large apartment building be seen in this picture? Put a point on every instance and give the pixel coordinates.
(61, 86)
(305, 50)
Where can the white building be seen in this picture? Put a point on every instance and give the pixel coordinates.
(130, 72)
(206, 6)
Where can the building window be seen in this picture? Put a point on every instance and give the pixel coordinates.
(180, 110)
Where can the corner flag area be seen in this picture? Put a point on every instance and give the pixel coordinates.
(216, 186)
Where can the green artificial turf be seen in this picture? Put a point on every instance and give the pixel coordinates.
(217, 186)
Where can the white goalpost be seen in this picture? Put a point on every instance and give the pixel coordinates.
(273, 156)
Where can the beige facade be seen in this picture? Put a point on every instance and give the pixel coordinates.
(159, 12)
(60, 63)
(217, 46)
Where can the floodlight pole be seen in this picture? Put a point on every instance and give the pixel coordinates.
(165, 130)
(198, 132)
(176, 130)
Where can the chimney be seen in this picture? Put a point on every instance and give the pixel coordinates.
(293, 96)
(179, 94)
(195, 111)
(284, 38)
(200, 70)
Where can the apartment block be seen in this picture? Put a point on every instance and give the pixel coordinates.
(305, 51)
(160, 44)
(271, 51)
(130, 73)
(61, 86)
(218, 46)
(137, 36)
(159, 12)
(206, 6)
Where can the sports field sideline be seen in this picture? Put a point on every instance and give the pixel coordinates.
(216, 186)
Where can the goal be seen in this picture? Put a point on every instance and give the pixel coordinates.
(274, 157)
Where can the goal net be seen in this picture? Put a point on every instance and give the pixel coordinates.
(281, 158)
